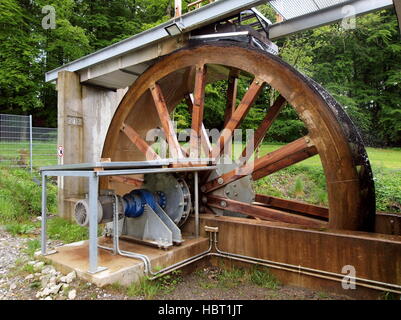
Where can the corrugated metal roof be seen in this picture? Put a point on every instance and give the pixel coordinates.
(289, 9)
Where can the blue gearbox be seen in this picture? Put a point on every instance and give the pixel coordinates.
(134, 202)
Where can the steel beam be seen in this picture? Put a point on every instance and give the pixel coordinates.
(326, 16)
(189, 21)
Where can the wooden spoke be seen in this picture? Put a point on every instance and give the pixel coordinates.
(266, 123)
(237, 117)
(137, 182)
(141, 144)
(287, 155)
(231, 95)
(284, 157)
(197, 110)
(161, 107)
(292, 205)
(205, 142)
(261, 212)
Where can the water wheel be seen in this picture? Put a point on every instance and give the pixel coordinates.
(182, 76)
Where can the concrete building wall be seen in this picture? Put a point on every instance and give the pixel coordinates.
(84, 116)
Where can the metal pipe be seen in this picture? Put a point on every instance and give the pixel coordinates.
(196, 205)
(30, 141)
(304, 270)
(377, 285)
(183, 262)
(116, 246)
(93, 223)
(44, 214)
(144, 258)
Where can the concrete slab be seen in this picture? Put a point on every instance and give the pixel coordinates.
(124, 270)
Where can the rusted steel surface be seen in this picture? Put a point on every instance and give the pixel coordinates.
(261, 212)
(293, 206)
(374, 256)
(335, 139)
(388, 223)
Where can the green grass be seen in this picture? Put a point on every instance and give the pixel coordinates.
(20, 196)
(379, 158)
(17, 153)
(66, 231)
(20, 203)
(263, 278)
(234, 277)
(151, 288)
(31, 247)
(305, 181)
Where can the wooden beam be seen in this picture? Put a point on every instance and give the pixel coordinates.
(141, 144)
(292, 205)
(161, 107)
(287, 155)
(236, 119)
(205, 142)
(261, 212)
(197, 110)
(265, 125)
(284, 157)
(127, 180)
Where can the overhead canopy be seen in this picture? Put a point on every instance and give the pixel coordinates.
(289, 9)
(118, 65)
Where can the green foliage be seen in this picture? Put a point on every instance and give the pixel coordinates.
(263, 278)
(360, 67)
(66, 231)
(151, 288)
(32, 246)
(309, 178)
(299, 187)
(388, 190)
(145, 287)
(20, 196)
(20, 229)
(230, 278)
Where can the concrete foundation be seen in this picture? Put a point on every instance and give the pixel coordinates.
(121, 269)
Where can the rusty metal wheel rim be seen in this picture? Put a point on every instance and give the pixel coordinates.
(345, 163)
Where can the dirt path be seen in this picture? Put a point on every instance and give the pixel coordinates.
(24, 278)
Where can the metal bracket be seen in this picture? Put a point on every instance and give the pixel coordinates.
(99, 269)
(47, 253)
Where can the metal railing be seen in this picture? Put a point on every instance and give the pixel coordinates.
(25, 146)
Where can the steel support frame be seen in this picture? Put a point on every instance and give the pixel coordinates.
(93, 180)
(326, 16)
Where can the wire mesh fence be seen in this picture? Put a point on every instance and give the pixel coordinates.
(22, 145)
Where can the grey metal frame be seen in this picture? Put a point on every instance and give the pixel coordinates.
(93, 179)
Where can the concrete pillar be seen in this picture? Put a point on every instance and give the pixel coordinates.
(99, 106)
(70, 137)
(84, 116)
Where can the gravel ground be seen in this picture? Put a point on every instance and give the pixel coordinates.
(23, 278)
